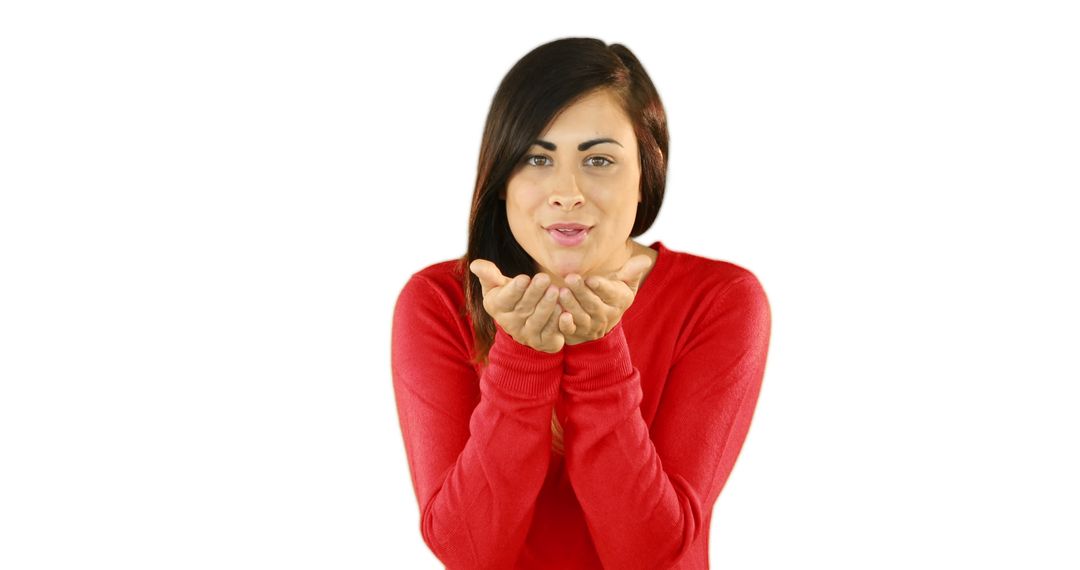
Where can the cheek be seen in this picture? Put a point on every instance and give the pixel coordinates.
(521, 210)
(525, 200)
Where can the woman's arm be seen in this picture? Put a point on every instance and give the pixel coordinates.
(645, 495)
(478, 452)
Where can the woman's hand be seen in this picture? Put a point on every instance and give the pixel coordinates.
(595, 309)
(525, 308)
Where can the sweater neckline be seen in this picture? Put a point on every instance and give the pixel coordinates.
(654, 282)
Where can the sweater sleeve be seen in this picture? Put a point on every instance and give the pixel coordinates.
(478, 449)
(645, 492)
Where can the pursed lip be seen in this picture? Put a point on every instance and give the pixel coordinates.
(567, 226)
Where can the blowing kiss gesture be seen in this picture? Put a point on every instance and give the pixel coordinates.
(597, 303)
(594, 305)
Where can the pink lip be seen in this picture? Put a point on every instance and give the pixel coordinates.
(567, 226)
(568, 240)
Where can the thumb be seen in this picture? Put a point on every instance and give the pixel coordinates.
(488, 273)
(634, 270)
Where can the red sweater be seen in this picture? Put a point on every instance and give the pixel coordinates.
(654, 415)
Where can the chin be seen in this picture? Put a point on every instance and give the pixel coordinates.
(564, 263)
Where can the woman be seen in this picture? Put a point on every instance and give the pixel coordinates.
(572, 398)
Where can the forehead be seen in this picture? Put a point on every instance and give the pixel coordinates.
(598, 114)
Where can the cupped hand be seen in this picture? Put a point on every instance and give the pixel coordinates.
(525, 308)
(595, 304)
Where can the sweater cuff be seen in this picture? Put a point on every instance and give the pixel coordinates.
(523, 369)
(598, 363)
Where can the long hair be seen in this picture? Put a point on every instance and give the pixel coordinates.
(545, 81)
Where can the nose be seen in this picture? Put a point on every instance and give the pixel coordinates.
(566, 193)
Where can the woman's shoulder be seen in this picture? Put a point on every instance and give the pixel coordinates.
(708, 273)
(440, 280)
(718, 287)
(441, 274)
(431, 309)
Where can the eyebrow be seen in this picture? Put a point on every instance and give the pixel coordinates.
(582, 146)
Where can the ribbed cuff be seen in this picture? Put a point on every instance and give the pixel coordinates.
(598, 363)
(523, 369)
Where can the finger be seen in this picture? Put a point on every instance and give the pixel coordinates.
(566, 324)
(552, 326)
(579, 317)
(506, 298)
(541, 313)
(633, 271)
(479, 268)
(488, 274)
(535, 290)
(611, 292)
(585, 297)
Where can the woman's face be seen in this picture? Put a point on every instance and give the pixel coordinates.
(560, 181)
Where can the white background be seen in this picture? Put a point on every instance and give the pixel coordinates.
(207, 210)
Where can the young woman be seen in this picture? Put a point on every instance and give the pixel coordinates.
(568, 397)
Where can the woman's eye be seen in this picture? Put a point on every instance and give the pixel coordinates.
(591, 161)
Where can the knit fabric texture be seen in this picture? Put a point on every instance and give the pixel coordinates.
(654, 413)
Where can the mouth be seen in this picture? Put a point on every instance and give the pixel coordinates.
(569, 238)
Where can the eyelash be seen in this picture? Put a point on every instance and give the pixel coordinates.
(532, 156)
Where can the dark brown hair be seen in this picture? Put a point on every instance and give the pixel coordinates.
(545, 81)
